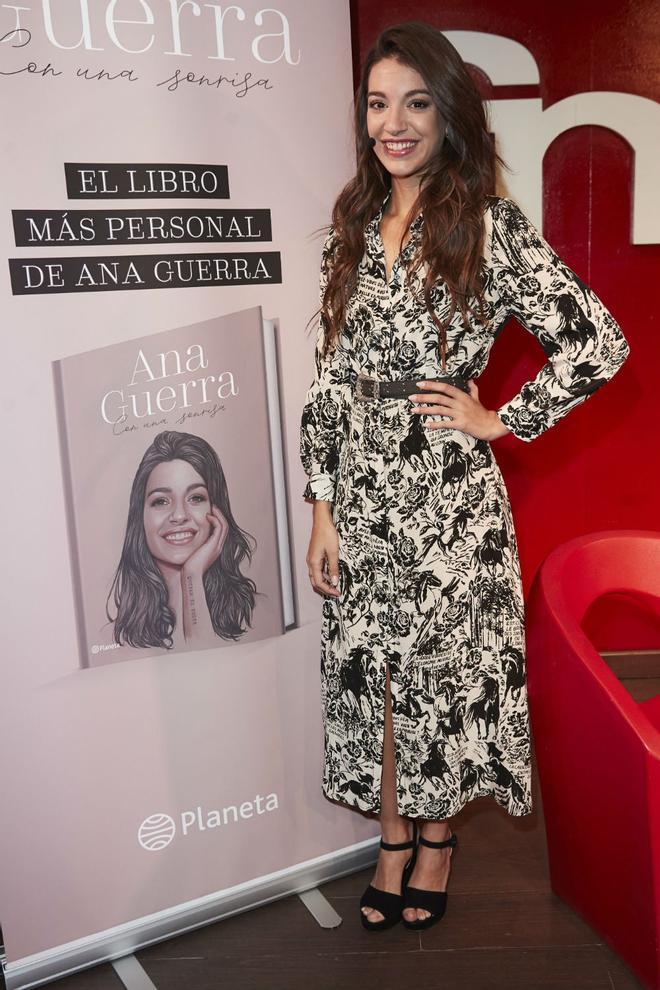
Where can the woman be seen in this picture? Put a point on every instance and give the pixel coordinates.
(178, 582)
(413, 545)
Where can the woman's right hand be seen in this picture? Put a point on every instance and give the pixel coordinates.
(323, 547)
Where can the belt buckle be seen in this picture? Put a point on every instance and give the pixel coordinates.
(374, 392)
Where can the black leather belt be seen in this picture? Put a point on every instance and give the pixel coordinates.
(368, 389)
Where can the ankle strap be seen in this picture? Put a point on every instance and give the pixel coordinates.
(394, 846)
(451, 841)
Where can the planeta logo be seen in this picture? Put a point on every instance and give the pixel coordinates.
(158, 830)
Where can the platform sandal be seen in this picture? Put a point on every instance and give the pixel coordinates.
(390, 905)
(434, 901)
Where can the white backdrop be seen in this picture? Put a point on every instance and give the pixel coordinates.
(91, 754)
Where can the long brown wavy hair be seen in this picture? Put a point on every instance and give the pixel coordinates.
(454, 185)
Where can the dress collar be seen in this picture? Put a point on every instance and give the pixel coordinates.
(372, 231)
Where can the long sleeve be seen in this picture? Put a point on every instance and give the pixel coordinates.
(584, 344)
(321, 425)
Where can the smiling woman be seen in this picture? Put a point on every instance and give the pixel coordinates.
(178, 580)
(411, 112)
(413, 545)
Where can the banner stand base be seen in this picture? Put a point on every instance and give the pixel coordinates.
(131, 974)
(119, 943)
(320, 908)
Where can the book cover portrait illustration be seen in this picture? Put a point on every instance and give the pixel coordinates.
(170, 457)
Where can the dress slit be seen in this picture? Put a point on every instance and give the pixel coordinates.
(388, 694)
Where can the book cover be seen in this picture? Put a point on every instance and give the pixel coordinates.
(171, 454)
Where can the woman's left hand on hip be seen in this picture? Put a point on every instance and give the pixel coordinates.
(466, 411)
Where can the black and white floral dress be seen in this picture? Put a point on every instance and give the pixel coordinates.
(429, 569)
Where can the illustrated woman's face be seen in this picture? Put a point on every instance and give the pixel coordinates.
(402, 117)
(175, 506)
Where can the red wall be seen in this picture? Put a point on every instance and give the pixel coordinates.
(598, 468)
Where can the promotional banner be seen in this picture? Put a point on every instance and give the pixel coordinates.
(167, 167)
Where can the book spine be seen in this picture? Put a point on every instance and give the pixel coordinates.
(277, 473)
(69, 501)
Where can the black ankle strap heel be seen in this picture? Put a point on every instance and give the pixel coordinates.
(434, 901)
(390, 905)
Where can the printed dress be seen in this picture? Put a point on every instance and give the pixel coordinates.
(429, 570)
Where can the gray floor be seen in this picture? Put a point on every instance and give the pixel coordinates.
(504, 928)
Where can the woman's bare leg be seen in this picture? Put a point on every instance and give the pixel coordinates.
(394, 827)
